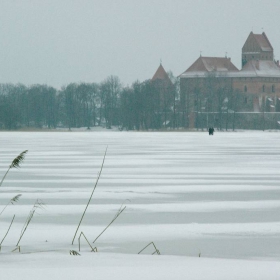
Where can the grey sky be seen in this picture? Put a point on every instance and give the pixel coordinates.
(61, 41)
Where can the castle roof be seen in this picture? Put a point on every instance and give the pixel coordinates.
(260, 68)
(204, 65)
(161, 74)
(253, 68)
(261, 40)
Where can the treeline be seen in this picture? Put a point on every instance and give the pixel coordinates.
(147, 105)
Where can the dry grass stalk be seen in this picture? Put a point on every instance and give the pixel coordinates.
(92, 249)
(37, 205)
(12, 201)
(74, 253)
(116, 216)
(17, 248)
(15, 164)
(7, 232)
(151, 243)
(99, 174)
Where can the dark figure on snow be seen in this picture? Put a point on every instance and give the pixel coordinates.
(211, 130)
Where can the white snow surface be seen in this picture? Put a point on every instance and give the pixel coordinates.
(211, 205)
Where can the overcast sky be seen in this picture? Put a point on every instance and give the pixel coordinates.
(56, 42)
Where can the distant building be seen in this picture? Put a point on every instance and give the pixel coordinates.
(215, 85)
(257, 47)
(161, 75)
(163, 84)
(165, 93)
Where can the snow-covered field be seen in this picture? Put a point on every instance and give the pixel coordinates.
(191, 194)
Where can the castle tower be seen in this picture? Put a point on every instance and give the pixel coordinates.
(257, 47)
(161, 74)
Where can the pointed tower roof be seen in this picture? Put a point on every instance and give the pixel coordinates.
(161, 74)
(261, 40)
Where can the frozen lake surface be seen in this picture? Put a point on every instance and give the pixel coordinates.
(191, 194)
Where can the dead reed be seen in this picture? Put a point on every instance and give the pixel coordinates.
(37, 205)
(151, 243)
(15, 164)
(116, 216)
(79, 238)
(74, 253)
(12, 201)
(7, 232)
(96, 183)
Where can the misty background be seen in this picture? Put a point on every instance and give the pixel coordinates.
(58, 42)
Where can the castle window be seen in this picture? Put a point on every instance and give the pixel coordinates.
(273, 88)
(263, 88)
(245, 100)
(245, 88)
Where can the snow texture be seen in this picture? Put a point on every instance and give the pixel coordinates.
(191, 194)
